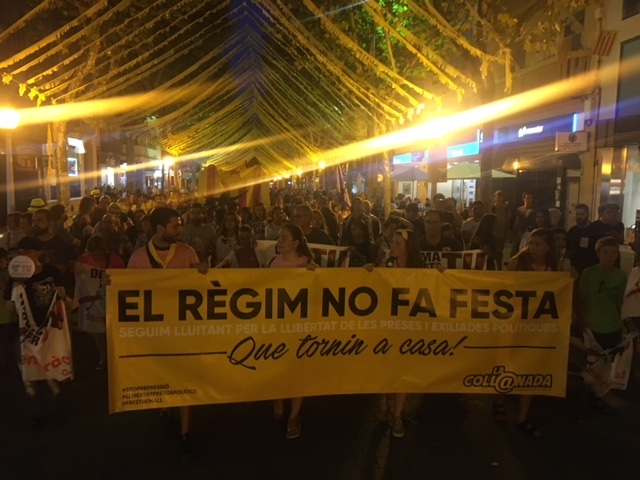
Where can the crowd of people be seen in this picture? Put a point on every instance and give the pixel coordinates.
(176, 231)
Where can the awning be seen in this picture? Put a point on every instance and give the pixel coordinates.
(553, 161)
(464, 171)
(411, 174)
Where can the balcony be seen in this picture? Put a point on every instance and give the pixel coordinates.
(576, 63)
(550, 70)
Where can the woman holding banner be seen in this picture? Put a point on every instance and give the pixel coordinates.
(404, 253)
(91, 292)
(293, 252)
(382, 245)
(361, 246)
(538, 256)
(227, 237)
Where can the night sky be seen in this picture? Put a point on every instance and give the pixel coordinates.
(9, 12)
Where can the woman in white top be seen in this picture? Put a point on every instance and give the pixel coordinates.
(227, 237)
(272, 230)
(293, 252)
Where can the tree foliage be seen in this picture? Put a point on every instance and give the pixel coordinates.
(289, 78)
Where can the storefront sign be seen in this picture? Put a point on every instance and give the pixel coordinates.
(546, 128)
(177, 337)
(400, 159)
(571, 142)
(463, 150)
(411, 157)
(524, 131)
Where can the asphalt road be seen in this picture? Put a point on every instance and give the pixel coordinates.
(344, 437)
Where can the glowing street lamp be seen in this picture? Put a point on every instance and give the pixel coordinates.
(166, 164)
(9, 120)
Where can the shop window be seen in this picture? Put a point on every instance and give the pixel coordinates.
(631, 186)
(629, 92)
(630, 8)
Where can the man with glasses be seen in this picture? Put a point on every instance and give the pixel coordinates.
(357, 213)
(302, 216)
(433, 240)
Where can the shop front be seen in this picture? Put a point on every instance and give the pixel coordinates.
(620, 169)
(543, 156)
(409, 174)
(463, 171)
(454, 167)
(75, 160)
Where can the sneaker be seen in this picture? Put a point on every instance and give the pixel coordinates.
(186, 452)
(397, 427)
(294, 428)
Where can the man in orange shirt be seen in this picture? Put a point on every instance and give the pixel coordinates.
(164, 251)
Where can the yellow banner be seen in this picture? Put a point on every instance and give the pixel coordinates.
(176, 337)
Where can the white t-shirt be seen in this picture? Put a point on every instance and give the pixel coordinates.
(470, 225)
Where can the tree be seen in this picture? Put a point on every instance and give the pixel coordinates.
(273, 80)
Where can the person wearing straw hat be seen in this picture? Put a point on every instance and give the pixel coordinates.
(36, 204)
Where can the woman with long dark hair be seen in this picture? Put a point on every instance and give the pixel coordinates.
(227, 237)
(293, 252)
(405, 253)
(538, 256)
(361, 246)
(382, 246)
(538, 219)
(317, 221)
(272, 230)
(259, 221)
(331, 222)
(405, 250)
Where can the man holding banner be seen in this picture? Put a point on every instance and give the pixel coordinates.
(434, 241)
(164, 251)
(35, 294)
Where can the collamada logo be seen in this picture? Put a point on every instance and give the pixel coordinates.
(503, 381)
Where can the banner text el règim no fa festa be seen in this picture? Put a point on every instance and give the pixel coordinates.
(177, 337)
